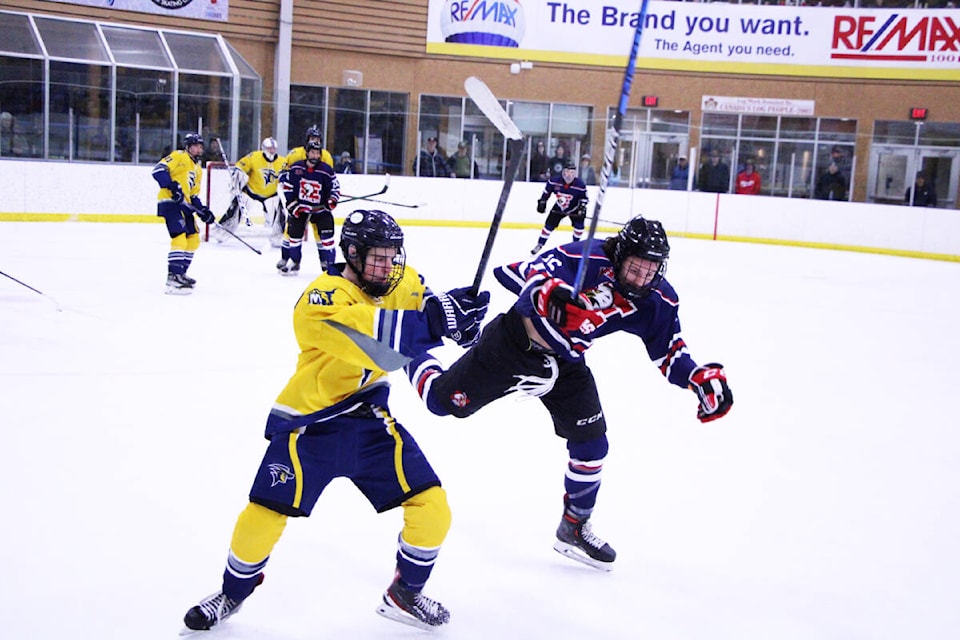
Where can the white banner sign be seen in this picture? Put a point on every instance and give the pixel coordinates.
(202, 9)
(767, 106)
(689, 36)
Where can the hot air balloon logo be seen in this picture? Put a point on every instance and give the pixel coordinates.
(497, 23)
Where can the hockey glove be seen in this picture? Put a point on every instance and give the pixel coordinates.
(581, 211)
(541, 206)
(457, 314)
(554, 300)
(709, 382)
(300, 210)
(206, 215)
(176, 193)
(332, 204)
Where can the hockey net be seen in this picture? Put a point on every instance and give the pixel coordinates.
(219, 190)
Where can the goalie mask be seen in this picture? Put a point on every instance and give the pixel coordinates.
(644, 239)
(366, 230)
(269, 149)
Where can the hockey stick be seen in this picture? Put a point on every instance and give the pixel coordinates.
(613, 138)
(398, 204)
(24, 284)
(242, 241)
(481, 95)
(383, 190)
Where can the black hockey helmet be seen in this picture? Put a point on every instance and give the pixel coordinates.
(313, 146)
(645, 239)
(569, 164)
(192, 138)
(313, 131)
(363, 230)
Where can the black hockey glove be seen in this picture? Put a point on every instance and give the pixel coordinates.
(206, 215)
(709, 382)
(581, 211)
(176, 193)
(457, 315)
(542, 205)
(554, 300)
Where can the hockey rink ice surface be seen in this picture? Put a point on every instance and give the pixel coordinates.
(826, 505)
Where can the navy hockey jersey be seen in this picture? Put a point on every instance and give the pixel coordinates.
(654, 319)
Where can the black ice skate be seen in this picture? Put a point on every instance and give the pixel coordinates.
(576, 541)
(211, 611)
(191, 281)
(412, 607)
(178, 284)
(536, 249)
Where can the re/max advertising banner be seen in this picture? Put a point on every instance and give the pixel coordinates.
(838, 42)
(218, 10)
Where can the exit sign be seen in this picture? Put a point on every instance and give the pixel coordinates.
(918, 113)
(650, 101)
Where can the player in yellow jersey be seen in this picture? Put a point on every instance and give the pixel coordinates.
(254, 186)
(359, 320)
(300, 153)
(178, 175)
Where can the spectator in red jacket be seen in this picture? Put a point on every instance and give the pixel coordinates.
(748, 180)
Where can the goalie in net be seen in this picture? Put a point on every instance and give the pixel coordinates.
(253, 190)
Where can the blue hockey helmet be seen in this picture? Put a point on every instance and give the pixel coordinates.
(313, 131)
(191, 139)
(644, 239)
(364, 230)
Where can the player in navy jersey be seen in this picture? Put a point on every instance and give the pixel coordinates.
(572, 200)
(537, 347)
(311, 190)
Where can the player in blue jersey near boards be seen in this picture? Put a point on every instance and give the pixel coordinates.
(571, 200)
(538, 346)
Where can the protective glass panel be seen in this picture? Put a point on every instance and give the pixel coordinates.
(73, 40)
(21, 107)
(388, 120)
(794, 170)
(348, 114)
(196, 53)
(205, 102)
(245, 70)
(16, 34)
(79, 111)
(144, 108)
(136, 47)
(670, 121)
(307, 106)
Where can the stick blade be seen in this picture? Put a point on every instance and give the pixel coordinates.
(480, 93)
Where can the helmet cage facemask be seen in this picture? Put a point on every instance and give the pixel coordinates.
(644, 239)
(356, 256)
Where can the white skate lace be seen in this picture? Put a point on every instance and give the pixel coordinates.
(589, 537)
(214, 608)
(536, 386)
(428, 608)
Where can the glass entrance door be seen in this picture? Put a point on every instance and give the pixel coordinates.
(894, 168)
(646, 159)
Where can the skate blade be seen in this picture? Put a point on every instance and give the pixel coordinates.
(397, 615)
(175, 291)
(575, 553)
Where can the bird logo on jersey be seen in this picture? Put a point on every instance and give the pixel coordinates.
(279, 474)
(269, 175)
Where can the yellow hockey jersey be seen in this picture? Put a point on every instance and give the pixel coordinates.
(262, 174)
(348, 342)
(184, 171)
(300, 153)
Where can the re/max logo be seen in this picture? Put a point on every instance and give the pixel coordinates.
(483, 11)
(900, 38)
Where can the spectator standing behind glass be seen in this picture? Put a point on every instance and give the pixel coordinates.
(556, 163)
(714, 175)
(680, 175)
(432, 162)
(586, 172)
(539, 164)
(748, 180)
(922, 194)
(461, 163)
(213, 152)
(832, 185)
(346, 163)
(11, 143)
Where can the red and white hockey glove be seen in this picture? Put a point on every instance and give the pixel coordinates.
(332, 204)
(301, 210)
(709, 382)
(556, 302)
